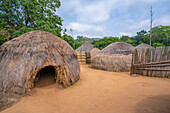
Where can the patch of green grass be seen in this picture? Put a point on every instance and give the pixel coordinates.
(169, 77)
(75, 85)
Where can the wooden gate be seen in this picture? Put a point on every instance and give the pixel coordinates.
(84, 57)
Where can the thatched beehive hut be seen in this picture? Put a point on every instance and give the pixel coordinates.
(85, 47)
(118, 48)
(22, 58)
(144, 46)
(94, 52)
(115, 57)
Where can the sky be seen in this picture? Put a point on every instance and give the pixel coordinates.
(99, 18)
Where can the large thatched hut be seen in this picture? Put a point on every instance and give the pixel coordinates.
(115, 57)
(94, 52)
(22, 58)
(85, 47)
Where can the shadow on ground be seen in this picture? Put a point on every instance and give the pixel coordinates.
(7, 100)
(156, 104)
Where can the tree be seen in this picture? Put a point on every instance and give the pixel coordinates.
(78, 44)
(161, 34)
(140, 37)
(157, 45)
(21, 16)
(81, 40)
(68, 39)
(124, 38)
(103, 42)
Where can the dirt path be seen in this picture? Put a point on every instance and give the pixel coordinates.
(100, 92)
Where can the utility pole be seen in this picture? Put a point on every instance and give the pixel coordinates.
(151, 26)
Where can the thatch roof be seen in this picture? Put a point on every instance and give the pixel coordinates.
(115, 57)
(144, 46)
(114, 62)
(23, 57)
(85, 47)
(118, 48)
(94, 52)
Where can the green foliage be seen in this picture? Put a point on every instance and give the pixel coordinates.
(2, 40)
(160, 37)
(124, 38)
(102, 43)
(161, 34)
(157, 45)
(140, 37)
(21, 16)
(81, 40)
(78, 44)
(68, 39)
(130, 40)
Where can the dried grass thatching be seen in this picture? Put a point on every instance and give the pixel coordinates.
(141, 46)
(23, 57)
(118, 48)
(116, 62)
(144, 46)
(94, 52)
(115, 57)
(85, 47)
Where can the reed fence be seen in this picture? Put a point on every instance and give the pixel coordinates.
(151, 62)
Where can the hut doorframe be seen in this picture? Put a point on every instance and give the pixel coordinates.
(32, 78)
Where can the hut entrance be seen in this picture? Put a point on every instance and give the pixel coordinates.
(45, 77)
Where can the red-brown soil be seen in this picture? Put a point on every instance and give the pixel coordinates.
(99, 92)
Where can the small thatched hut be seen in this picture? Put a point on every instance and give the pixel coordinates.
(22, 58)
(94, 52)
(141, 46)
(87, 47)
(115, 57)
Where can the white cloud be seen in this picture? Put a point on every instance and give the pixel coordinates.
(124, 17)
(93, 13)
(80, 28)
(89, 36)
(126, 34)
(162, 20)
(143, 24)
(99, 11)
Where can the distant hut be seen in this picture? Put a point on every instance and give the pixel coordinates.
(141, 46)
(22, 58)
(115, 57)
(94, 52)
(87, 47)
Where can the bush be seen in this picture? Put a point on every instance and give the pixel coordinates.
(157, 45)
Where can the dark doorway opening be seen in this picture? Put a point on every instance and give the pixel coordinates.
(45, 77)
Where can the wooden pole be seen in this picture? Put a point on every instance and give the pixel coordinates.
(151, 26)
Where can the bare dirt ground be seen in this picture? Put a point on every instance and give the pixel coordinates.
(99, 92)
